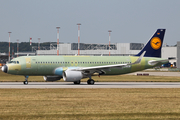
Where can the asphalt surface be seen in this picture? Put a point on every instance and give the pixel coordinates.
(20, 85)
(177, 74)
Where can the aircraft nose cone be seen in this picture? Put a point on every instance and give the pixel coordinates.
(4, 68)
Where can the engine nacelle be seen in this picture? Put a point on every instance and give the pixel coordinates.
(51, 78)
(72, 76)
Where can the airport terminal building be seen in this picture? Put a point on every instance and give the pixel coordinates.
(122, 49)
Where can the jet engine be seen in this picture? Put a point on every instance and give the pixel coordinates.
(72, 76)
(51, 78)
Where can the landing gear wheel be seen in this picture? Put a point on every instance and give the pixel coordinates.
(77, 82)
(90, 82)
(25, 82)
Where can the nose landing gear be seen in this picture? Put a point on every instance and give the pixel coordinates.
(26, 80)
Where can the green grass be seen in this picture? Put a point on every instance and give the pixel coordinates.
(80, 104)
(104, 78)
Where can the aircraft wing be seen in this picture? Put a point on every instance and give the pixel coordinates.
(109, 66)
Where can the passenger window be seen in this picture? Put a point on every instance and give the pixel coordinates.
(17, 62)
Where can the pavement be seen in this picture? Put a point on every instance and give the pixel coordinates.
(177, 74)
(20, 85)
(42, 85)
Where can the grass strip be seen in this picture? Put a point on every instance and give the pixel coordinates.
(89, 104)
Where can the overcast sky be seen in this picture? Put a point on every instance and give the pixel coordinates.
(130, 20)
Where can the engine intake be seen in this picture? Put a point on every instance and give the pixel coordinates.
(72, 76)
(51, 78)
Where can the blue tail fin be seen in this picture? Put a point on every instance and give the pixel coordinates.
(154, 45)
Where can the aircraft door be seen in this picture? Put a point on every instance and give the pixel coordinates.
(34, 66)
(28, 62)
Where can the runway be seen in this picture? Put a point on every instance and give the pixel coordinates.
(41, 85)
(172, 74)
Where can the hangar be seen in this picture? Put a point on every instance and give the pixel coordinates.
(122, 49)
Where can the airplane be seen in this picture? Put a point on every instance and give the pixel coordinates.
(75, 68)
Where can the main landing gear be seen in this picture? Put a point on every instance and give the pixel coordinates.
(26, 80)
(77, 82)
(90, 82)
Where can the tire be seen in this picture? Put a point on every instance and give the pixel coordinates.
(25, 82)
(77, 82)
(90, 82)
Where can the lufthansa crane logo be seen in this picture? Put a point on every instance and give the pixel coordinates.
(156, 43)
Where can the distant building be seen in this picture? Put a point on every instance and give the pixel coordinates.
(123, 49)
(3, 57)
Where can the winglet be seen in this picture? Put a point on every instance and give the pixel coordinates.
(140, 58)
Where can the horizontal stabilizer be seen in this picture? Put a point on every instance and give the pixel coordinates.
(154, 62)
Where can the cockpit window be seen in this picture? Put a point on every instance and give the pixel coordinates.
(15, 62)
